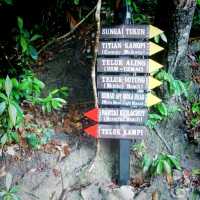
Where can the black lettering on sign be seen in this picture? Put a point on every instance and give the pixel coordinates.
(122, 82)
(122, 65)
(125, 31)
(138, 116)
(122, 131)
(123, 48)
(122, 99)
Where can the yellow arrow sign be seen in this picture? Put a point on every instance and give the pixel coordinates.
(153, 83)
(154, 48)
(154, 66)
(152, 100)
(154, 31)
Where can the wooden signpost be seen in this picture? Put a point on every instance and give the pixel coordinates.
(124, 82)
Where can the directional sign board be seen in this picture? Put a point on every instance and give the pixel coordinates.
(124, 98)
(126, 82)
(127, 65)
(118, 115)
(124, 47)
(130, 31)
(116, 131)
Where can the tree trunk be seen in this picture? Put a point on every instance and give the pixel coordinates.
(181, 15)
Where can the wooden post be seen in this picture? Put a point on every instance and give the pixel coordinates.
(124, 145)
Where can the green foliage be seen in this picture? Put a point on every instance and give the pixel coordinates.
(160, 112)
(163, 111)
(9, 192)
(160, 164)
(162, 36)
(196, 18)
(175, 87)
(195, 194)
(25, 41)
(52, 101)
(12, 93)
(11, 114)
(9, 2)
(138, 17)
(76, 2)
(195, 107)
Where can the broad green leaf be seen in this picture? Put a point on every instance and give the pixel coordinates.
(155, 116)
(156, 39)
(167, 167)
(174, 161)
(48, 107)
(8, 86)
(20, 23)
(135, 7)
(35, 37)
(76, 2)
(60, 100)
(162, 108)
(163, 37)
(2, 107)
(8, 181)
(24, 44)
(183, 88)
(146, 163)
(3, 96)
(15, 136)
(33, 52)
(159, 167)
(55, 104)
(4, 139)
(176, 87)
(39, 83)
(12, 113)
(15, 82)
(9, 2)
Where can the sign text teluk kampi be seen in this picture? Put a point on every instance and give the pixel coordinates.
(130, 31)
(116, 131)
